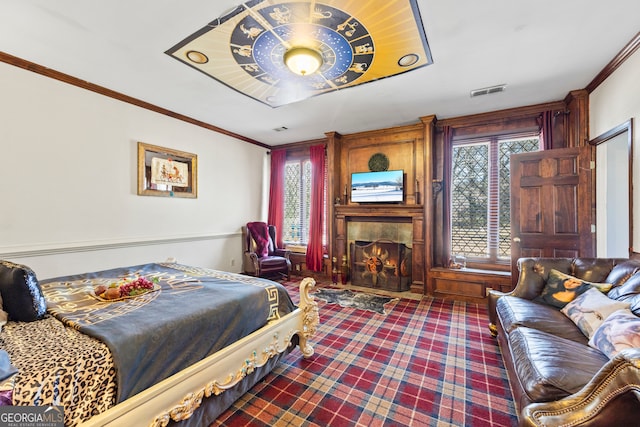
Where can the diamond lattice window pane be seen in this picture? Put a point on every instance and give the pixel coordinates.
(291, 224)
(469, 203)
(297, 201)
(480, 197)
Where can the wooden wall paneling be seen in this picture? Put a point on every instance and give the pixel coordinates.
(401, 155)
(429, 129)
(401, 145)
(340, 247)
(577, 130)
(419, 250)
(469, 285)
(406, 149)
(333, 186)
(437, 217)
(560, 128)
(418, 149)
(504, 117)
(570, 121)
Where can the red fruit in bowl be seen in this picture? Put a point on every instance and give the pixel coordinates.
(99, 290)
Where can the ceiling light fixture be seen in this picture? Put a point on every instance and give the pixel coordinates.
(302, 60)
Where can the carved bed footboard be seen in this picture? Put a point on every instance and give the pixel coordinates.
(177, 398)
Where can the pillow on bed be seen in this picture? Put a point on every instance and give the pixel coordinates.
(22, 297)
(562, 288)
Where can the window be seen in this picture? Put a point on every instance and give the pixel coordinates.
(297, 201)
(480, 192)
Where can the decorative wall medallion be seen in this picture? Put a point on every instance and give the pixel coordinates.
(358, 42)
(378, 162)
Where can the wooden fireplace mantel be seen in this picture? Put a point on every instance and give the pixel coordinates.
(387, 213)
(379, 210)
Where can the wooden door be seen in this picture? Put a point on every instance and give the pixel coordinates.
(551, 204)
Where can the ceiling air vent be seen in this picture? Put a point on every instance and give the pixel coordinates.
(488, 90)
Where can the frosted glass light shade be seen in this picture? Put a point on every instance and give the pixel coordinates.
(302, 60)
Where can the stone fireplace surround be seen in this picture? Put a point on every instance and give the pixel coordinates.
(403, 224)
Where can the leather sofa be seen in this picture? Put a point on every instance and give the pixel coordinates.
(556, 377)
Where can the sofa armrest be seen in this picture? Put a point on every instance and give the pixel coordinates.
(612, 397)
(534, 272)
(492, 301)
(532, 276)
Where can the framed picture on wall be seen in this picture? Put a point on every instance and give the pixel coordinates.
(166, 172)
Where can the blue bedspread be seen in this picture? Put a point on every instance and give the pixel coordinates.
(195, 313)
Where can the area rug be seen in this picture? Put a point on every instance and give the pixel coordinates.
(349, 299)
(429, 362)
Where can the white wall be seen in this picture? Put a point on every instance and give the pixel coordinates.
(68, 168)
(614, 102)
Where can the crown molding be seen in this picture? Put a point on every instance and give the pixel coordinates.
(66, 78)
(615, 63)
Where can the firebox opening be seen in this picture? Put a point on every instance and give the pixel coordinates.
(380, 253)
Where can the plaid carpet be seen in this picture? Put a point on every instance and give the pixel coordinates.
(426, 363)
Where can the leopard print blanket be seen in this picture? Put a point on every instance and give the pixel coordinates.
(60, 366)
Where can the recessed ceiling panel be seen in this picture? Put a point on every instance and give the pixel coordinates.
(359, 42)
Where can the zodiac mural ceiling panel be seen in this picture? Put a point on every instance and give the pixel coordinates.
(359, 42)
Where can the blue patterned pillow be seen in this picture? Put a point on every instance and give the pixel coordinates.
(620, 331)
(590, 309)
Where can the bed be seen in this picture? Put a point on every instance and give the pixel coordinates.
(180, 353)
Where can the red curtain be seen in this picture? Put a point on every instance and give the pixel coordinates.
(315, 251)
(546, 129)
(447, 136)
(276, 193)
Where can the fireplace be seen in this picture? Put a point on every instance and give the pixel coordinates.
(402, 225)
(381, 264)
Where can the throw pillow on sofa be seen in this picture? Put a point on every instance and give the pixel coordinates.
(620, 331)
(562, 288)
(590, 309)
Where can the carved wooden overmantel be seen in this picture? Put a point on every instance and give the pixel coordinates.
(406, 148)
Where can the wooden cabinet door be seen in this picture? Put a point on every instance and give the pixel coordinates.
(551, 202)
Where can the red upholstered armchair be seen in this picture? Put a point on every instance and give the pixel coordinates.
(260, 256)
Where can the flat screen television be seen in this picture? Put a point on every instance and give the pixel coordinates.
(377, 187)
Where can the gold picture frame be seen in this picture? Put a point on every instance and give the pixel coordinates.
(166, 172)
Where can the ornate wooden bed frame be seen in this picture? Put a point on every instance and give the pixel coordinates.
(177, 397)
